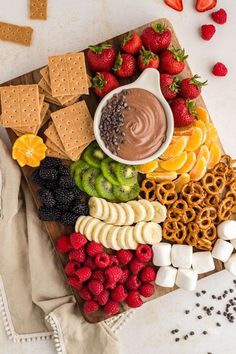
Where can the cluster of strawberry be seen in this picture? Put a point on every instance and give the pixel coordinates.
(105, 280)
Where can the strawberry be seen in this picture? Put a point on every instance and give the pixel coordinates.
(103, 83)
(205, 5)
(125, 65)
(175, 4)
(101, 57)
(183, 112)
(219, 69)
(147, 59)
(219, 16)
(156, 37)
(190, 88)
(172, 61)
(131, 43)
(207, 32)
(169, 86)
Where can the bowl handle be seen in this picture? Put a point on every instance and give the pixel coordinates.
(149, 80)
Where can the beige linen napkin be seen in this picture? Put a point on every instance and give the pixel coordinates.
(35, 300)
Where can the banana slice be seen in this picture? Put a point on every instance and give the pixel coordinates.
(78, 222)
(105, 210)
(84, 223)
(112, 238)
(129, 238)
(121, 237)
(89, 227)
(103, 235)
(160, 212)
(138, 232)
(149, 209)
(113, 214)
(129, 213)
(96, 231)
(95, 207)
(152, 233)
(121, 219)
(138, 209)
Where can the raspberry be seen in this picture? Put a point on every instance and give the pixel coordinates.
(77, 240)
(143, 253)
(207, 32)
(113, 274)
(90, 306)
(94, 248)
(125, 274)
(89, 262)
(98, 275)
(63, 244)
(78, 255)
(132, 283)
(219, 16)
(111, 307)
(102, 298)
(133, 299)
(147, 274)
(114, 261)
(110, 286)
(83, 274)
(71, 268)
(102, 260)
(146, 289)
(219, 69)
(124, 256)
(73, 281)
(135, 266)
(84, 293)
(95, 286)
(119, 294)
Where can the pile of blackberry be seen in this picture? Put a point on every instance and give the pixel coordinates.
(61, 200)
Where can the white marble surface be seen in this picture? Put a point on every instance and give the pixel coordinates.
(73, 25)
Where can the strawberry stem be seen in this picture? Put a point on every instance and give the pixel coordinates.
(118, 62)
(147, 55)
(194, 80)
(99, 48)
(174, 87)
(127, 38)
(191, 105)
(98, 81)
(178, 54)
(159, 27)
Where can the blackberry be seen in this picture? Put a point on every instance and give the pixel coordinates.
(36, 177)
(49, 174)
(80, 196)
(63, 170)
(46, 197)
(68, 219)
(66, 182)
(80, 209)
(50, 184)
(63, 195)
(49, 214)
(63, 206)
(50, 162)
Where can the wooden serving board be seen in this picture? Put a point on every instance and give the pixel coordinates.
(55, 229)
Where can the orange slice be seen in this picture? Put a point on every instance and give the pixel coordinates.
(202, 114)
(204, 151)
(215, 154)
(184, 131)
(148, 167)
(181, 181)
(175, 148)
(200, 124)
(212, 134)
(195, 140)
(199, 169)
(162, 176)
(175, 163)
(29, 149)
(190, 162)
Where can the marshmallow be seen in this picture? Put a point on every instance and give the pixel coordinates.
(166, 276)
(233, 243)
(181, 256)
(230, 265)
(227, 230)
(161, 254)
(222, 250)
(203, 262)
(186, 279)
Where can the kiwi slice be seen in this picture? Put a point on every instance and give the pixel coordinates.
(78, 170)
(93, 155)
(126, 174)
(73, 167)
(104, 188)
(88, 181)
(108, 170)
(126, 193)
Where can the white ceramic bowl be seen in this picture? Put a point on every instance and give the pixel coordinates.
(150, 81)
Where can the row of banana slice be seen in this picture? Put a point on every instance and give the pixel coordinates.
(119, 237)
(126, 213)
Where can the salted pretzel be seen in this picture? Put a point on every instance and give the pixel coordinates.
(213, 184)
(220, 169)
(205, 217)
(165, 192)
(174, 231)
(212, 200)
(192, 234)
(204, 244)
(210, 234)
(232, 194)
(147, 190)
(193, 193)
(226, 159)
(232, 186)
(225, 209)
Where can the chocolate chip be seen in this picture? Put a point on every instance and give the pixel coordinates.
(192, 333)
(199, 317)
(204, 332)
(177, 339)
(176, 330)
(218, 312)
(218, 324)
(198, 294)
(231, 290)
(187, 312)
(185, 337)
(203, 291)
(198, 304)
(173, 331)
(213, 296)
(211, 308)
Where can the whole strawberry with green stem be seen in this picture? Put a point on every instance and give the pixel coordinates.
(104, 82)
(147, 59)
(184, 112)
(125, 65)
(131, 43)
(101, 57)
(190, 88)
(156, 37)
(172, 61)
(169, 86)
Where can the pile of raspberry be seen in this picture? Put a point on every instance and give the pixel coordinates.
(105, 280)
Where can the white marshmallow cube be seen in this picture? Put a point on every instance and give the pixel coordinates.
(161, 254)
(202, 262)
(230, 265)
(222, 250)
(186, 279)
(181, 256)
(227, 230)
(166, 277)
(233, 243)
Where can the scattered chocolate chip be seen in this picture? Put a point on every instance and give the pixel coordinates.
(187, 312)
(204, 308)
(224, 313)
(198, 304)
(203, 291)
(173, 331)
(185, 337)
(218, 312)
(198, 294)
(234, 281)
(218, 324)
(231, 290)
(219, 298)
(176, 330)
(177, 339)
(211, 308)
(192, 333)
(199, 317)
(204, 332)
(213, 296)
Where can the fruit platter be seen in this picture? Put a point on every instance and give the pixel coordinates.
(126, 169)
